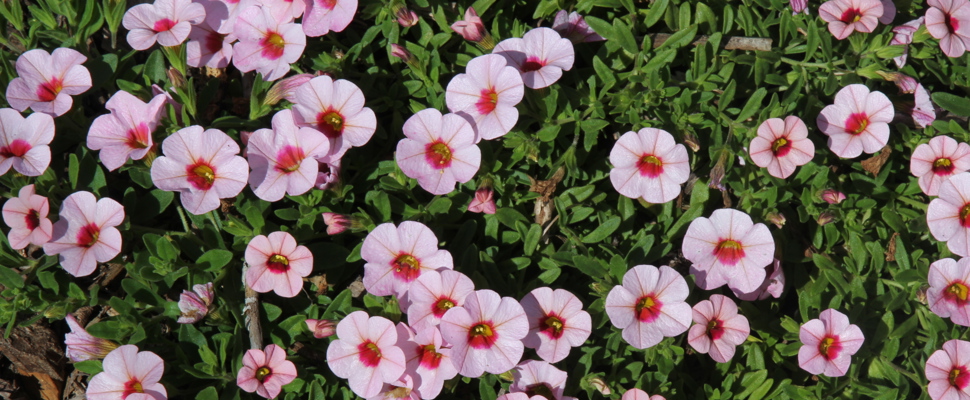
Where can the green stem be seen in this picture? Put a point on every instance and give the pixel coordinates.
(825, 65)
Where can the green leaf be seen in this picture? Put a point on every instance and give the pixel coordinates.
(680, 39)
(90, 367)
(532, 239)
(603, 231)
(272, 312)
(214, 259)
(952, 103)
(624, 36)
(155, 67)
(208, 393)
(753, 105)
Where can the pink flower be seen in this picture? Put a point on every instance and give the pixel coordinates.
(857, 122)
(798, 6)
(288, 10)
(519, 396)
(81, 346)
(267, 43)
(718, 328)
(396, 256)
(129, 372)
(648, 164)
(540, 56)
(366, 353)
(328, 175)
(949, 21)
(434, 293)
(47, 80)
(403, 388)
(194, 305)
(321, 328)
(336, 109)
(486, 96)
(845, 16)
(888, 12)
(127, 131)
(439, 151)
(406, 18)
(265, 371)
(276, 263)
(904, 36)
(557, 323)
(401, 52)
(485, 333)
(207, 47)
(833, 196)
(948, 371)
(284, 158)
(427, 360)
(937, 161)
(949, 286)
(202, 166)
(649, 305)
(24, 142)
(773, 285)
(471, 28)
(483, 201)
(336, 223)
(86, 233)
(286, 88)
(781, 146)
(948, 216)
(574, 28)
(828, 344)
(165, 21)
(923, 112)
(539, 378)
(637, 394)
(323, 16)
(222, 14)
(26, 215)
(728, 249)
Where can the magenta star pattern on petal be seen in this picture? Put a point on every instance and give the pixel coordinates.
(86, 234)
(649, 305)
(47, 81)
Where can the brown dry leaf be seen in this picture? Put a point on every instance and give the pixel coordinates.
(891, 251)
(215, 72)
(357, 287)
(544, 208)
(874, 164)
(320, 281)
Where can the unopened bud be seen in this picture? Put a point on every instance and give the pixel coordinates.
(284, 89)
(176, 77)
(833, 196)
(600, 385)
(825, 217)
(777, 218)
(406, 18)
(321, 328)
(905, 83)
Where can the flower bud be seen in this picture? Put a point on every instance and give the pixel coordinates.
(337, 223)
(825, 217)
(832, 196)
(776, 218)
(321, 328)
(284, 89)
(328, 175)
(81, 346)
(406, 18)
(402, 53)
(798, 6)
(600, 385)
(483, 201)
(905, 83)
(195, 306)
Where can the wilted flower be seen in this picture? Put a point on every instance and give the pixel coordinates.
(825, 218)
(127, 372)
(774, 284)
(47, 81)
(265, 371)
(923, 112)
(798, 6)
(194, 305)
(776, 218)
(336, 223)
(828, 344)
(483, 201)
(81, 346)
(321, 328)
(600, 385)
(402, 53)
(904, 36)
(572, 26)
(833, 196)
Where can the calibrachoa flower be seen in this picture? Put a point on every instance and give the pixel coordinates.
(366, 353)
(728, 249)
(485, 333)
(47, 81)
(540, 56)
(948, 216)
(798, 6)
(649, 305)
(648, 164)
(637, 394)
(434, 293)
(426, 359)
(81, 346)
(323, 16)
(86, 234)
(904, 37)
(857, 122)
(127, 131)
(557, 322)
(26, 215)
(439, 151)
(397, 255)
(129, 372)
(773, 285)
(209, 48)
(781, 146)
(276, 263)
(833, 196)
(572, 26)
(483, 202)
(24, 142)
(336, 109)
(718, 328)
(265, 371)
(539, 378)
(846, 16)
(222, 14)
(402, 388)
(936, 161)
(289, 9)
(949, 21)
(336, 223)
(203, 166)
(165, 21)
(487, 95)
(949, 288)
(328, 175)
(828, 344)
(923, 112)
(284, 158)
(471, 28)
(948, 371)
(268, 43)
(194, 305)
(321, 328)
